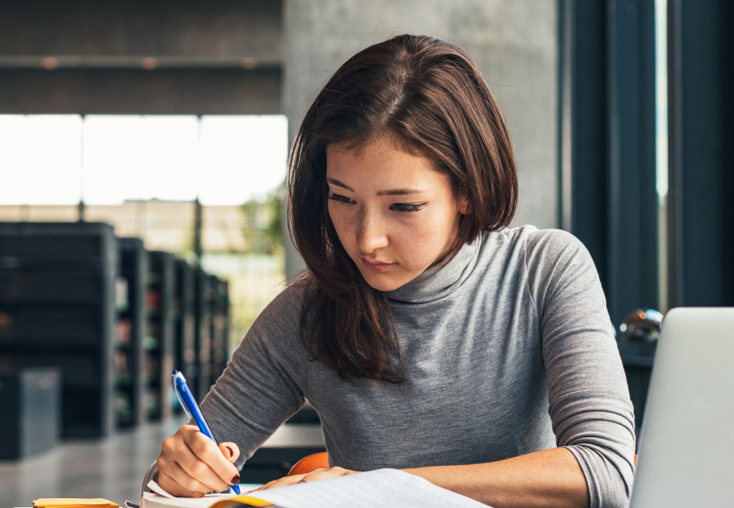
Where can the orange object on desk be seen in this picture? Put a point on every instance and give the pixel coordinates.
(73, 502)
(310, 463)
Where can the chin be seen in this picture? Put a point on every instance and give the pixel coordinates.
(383, 282)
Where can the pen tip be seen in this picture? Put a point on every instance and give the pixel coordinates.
(175, 372)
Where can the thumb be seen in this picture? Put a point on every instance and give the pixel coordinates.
(230, 450)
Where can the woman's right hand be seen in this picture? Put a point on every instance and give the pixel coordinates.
(191, 465)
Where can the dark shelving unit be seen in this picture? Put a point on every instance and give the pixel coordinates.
(213, 315)
(131, 331)
(57, 308)
(212, 329)
(219, 326)
(202, 339)
(184, 324)
(158, 344)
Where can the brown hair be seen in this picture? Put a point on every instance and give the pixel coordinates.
(431, 98)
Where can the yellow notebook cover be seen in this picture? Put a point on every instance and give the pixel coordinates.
(244, 498)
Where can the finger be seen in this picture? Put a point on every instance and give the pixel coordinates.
(322, 474)
(315, 475)
(218, 469)
(325, 474)
(180, 484)
(282, 482)
(230, 450)
(176, 453)
(200, 470)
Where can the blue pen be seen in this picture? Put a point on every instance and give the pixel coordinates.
(192, 409)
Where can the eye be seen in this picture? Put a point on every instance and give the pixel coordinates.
(404, 207)
(339, 198)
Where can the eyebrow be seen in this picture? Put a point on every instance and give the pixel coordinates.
(391, 192)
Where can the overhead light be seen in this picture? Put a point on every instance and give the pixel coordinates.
(49, 63)
(149, 63)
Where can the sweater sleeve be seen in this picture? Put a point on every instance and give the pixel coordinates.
(263, 384)
(589, 402)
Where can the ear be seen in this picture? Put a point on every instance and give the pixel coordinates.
(463, 205)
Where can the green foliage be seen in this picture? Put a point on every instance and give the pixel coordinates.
(262, 230)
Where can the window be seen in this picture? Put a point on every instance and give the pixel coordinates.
(143, 175)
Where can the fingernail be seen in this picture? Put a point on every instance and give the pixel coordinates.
(231, 451)
(235, 480)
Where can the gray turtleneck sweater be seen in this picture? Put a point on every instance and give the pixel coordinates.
(508, 350)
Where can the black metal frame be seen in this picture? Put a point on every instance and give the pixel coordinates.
(701, 152)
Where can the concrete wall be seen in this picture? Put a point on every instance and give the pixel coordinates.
(513, 41)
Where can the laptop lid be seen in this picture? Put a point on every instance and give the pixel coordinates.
(686, 449)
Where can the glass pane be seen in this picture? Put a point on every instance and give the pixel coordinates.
(140, 157)
(40, 159)
(242, 158)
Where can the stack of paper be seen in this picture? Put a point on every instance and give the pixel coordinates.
(70, 502)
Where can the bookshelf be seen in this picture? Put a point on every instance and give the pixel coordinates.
(202, 343)
(183, 324)
(220, 327)
(130, 381)
(57, 294)
(158, 343)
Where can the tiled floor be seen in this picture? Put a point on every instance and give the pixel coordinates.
(111, 468)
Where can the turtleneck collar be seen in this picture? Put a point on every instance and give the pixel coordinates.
(437, 282)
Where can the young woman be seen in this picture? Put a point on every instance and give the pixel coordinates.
(428, 336)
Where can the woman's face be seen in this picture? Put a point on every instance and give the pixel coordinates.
(394, 213)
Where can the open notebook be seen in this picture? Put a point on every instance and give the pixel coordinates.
(383, 487)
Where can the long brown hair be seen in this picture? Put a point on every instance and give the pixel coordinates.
(431, 98)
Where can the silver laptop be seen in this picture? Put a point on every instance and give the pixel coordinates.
(686, 451)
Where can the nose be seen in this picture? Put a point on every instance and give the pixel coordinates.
(371, 232)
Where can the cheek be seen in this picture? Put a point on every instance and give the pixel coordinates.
(419, 240)
(438, 226)
(341, 224)
(427, 238)
(421, 232)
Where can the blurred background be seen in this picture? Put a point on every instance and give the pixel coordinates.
(143, 149)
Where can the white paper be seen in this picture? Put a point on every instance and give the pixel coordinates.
(153, 500)
(153, 485)
(383, 487)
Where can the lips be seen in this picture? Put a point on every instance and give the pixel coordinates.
(376, 266)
